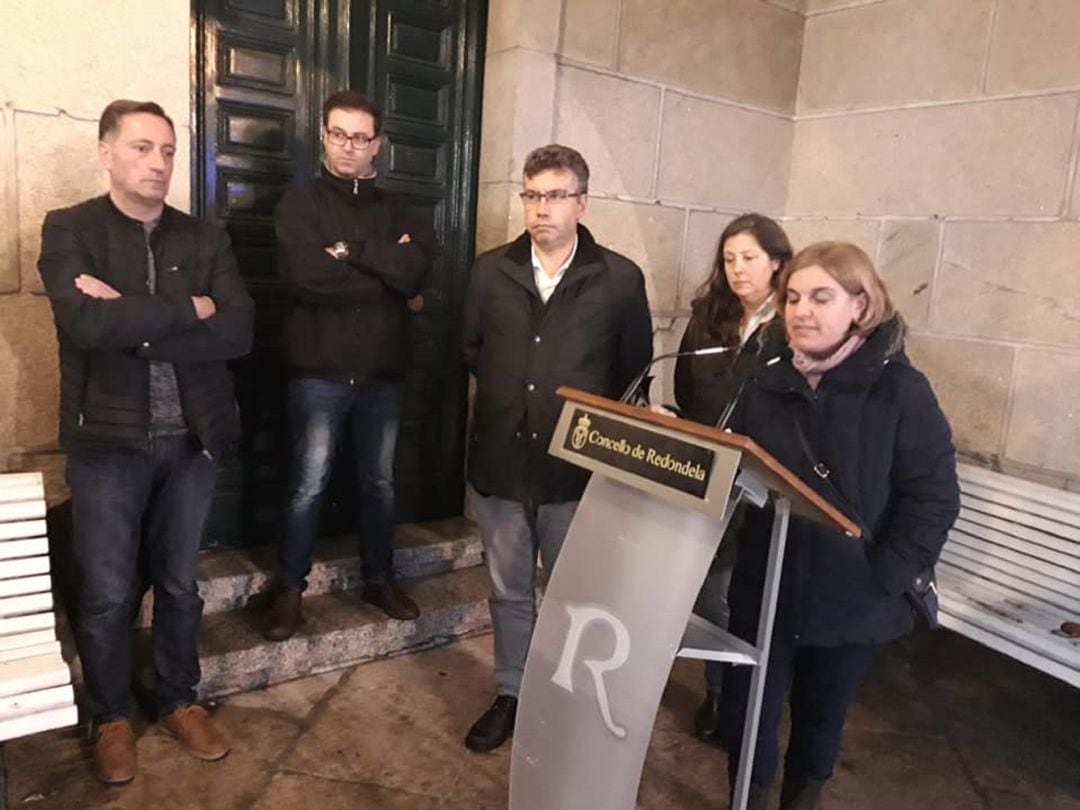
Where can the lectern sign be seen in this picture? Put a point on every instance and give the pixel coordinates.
(665, 460)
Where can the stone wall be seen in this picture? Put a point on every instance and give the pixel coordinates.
(683, 110)
(63, 62)
(943, 137)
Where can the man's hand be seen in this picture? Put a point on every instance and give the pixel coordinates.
(660, 409)
(405, 239)
(204, 306)
(95, 287)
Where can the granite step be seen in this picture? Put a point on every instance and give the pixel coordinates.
(339, 631)
(230, 578)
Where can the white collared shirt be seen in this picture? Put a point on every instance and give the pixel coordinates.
(545, 284)
(766, 312)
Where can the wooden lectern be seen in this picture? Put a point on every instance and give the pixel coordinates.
(618, 605)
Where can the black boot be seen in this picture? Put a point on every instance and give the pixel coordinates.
(494, 727)
(800, 794)
(707, 719)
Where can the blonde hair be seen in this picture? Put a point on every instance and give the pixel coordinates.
(851, 268)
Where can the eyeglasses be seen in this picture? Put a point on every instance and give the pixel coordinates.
(557, 195)
(359, 141)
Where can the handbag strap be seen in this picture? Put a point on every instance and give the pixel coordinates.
(822, 471)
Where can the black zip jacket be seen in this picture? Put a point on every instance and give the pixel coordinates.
(106, 345)
(348, 319)
(875, 423)
(594, 334)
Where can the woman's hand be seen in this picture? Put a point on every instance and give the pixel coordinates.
(660, 409)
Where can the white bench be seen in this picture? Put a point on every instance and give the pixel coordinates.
(1009, 576)
(35, 681)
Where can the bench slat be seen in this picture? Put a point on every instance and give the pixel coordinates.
(34, 547)
(1047, 615)
(1053, 590)
(1050, 507)
(1010, 563)
(972, 508)
(1051, 496)
(37, 722)
(21, 529)
(27, 624)
(1050, 511)
(1003, 645)
(21, 510)
(24, 567)
(1025, 634)
(1021, 545)
(960, 569)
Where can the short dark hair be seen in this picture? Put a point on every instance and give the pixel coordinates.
(555, 156)
(352, 100)
(112, 115)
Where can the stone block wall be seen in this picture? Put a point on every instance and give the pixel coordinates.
(63, 62)
(683, 110)
(943, 137)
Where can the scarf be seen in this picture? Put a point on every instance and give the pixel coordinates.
(813, 369)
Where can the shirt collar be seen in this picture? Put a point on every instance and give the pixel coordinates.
(562, 268)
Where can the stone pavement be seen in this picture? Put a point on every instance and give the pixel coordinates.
(942, 723)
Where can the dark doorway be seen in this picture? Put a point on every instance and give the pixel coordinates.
(261, 69)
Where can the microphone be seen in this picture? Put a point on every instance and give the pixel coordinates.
(628, 394)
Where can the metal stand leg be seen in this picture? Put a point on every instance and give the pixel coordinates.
(764, 642)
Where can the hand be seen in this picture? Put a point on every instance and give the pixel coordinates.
(405, 239)
(95, 288)
(660, 409)
(204, 306)
(329, 251)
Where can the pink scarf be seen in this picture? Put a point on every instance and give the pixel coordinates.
(813, 369)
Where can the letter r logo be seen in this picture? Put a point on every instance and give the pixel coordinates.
(581, 616)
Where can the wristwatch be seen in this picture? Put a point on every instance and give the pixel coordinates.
(340, 250)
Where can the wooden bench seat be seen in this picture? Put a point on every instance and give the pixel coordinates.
(1009, 576)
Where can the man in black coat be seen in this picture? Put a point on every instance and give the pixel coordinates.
(550, 308)
(148, 305)
(352, 256)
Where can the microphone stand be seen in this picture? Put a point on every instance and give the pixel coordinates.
(631, 390)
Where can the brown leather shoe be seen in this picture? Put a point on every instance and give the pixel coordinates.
(114, 753)
(391, 600)
(194, 728)
(285, 615)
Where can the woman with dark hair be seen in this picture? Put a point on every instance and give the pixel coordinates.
(839, 404)
(732, 309)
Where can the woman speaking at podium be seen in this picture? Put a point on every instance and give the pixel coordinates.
(836, 400)
(732, 309)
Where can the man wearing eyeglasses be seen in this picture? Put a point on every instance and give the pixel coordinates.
(550, 308)
(352, 255)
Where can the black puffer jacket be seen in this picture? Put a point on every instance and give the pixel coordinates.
(593, 334)
(349, 319)
(105, 345)
(705, 385)
(874, 421)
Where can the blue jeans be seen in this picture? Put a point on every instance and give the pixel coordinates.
(318, 411)
(156, 499)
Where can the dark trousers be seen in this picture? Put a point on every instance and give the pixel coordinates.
(156, 499)
(820, 683)
(318, 413)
